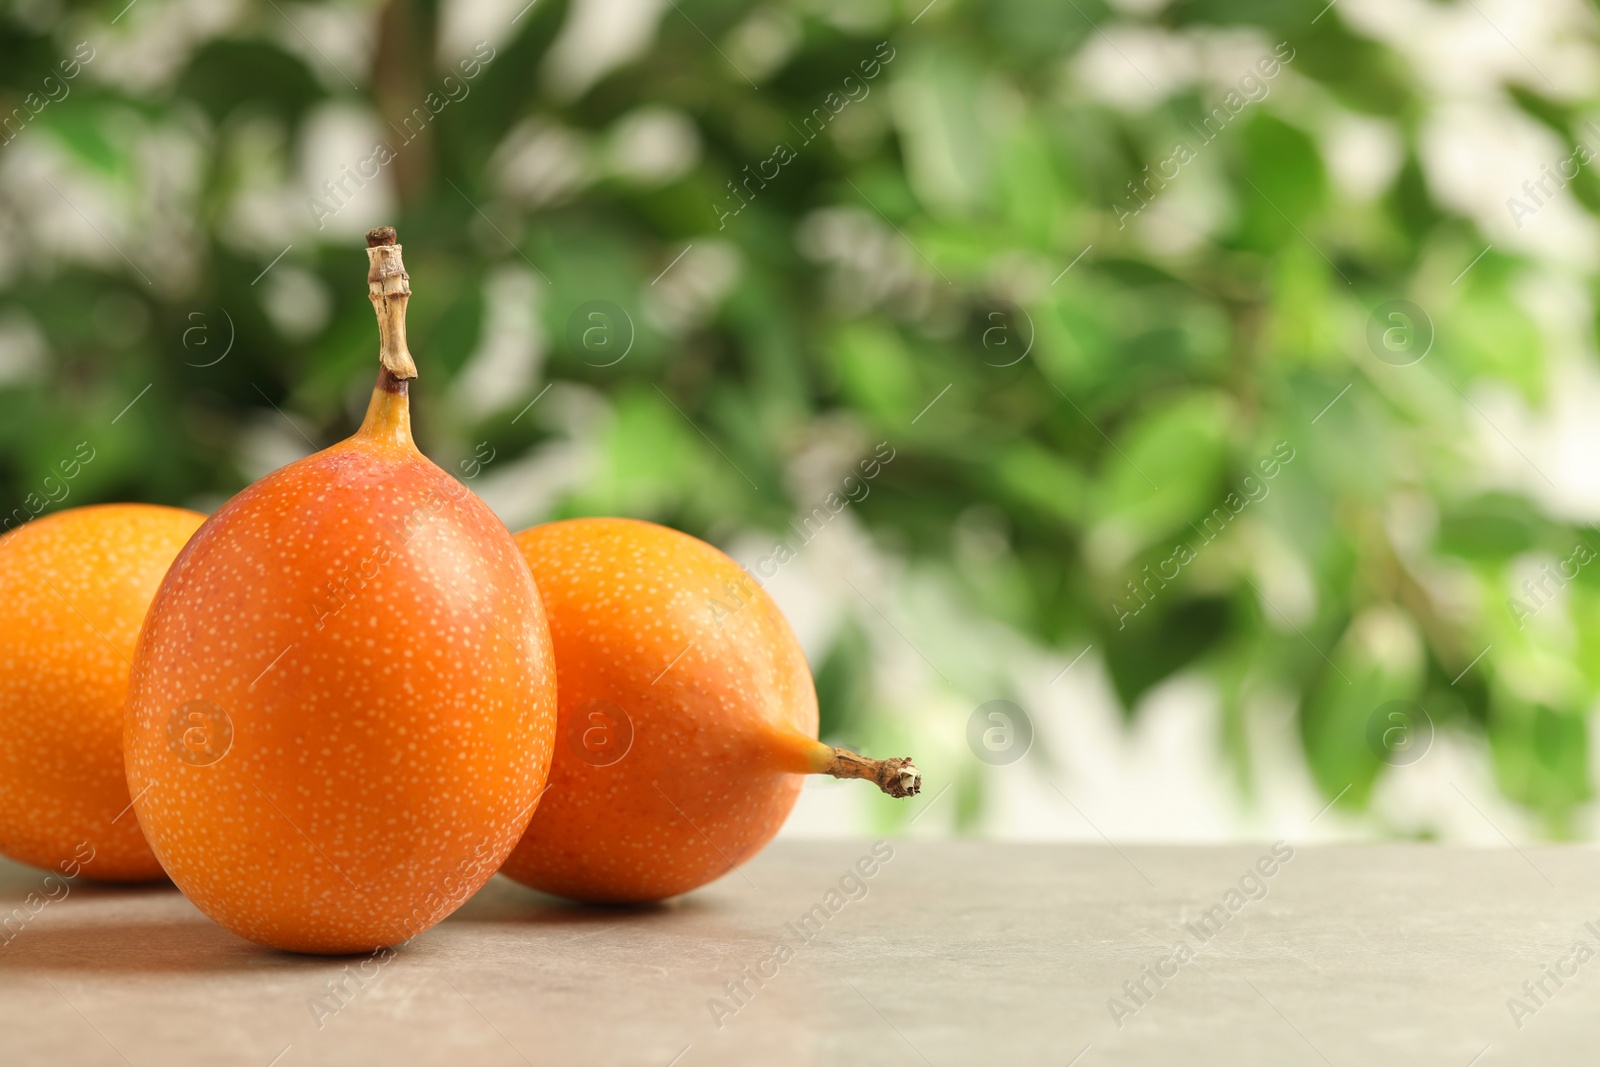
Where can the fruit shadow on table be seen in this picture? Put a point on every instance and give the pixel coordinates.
(150, 928)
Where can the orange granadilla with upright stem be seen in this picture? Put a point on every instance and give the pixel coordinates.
(343, 699)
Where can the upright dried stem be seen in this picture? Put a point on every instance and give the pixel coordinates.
(389, 288)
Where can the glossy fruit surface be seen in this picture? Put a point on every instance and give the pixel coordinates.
(343, 698)
(74, 588)
(687, 714)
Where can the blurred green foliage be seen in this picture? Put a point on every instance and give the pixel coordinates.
(904, 258)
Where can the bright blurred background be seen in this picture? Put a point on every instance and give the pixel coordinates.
(1225, 370)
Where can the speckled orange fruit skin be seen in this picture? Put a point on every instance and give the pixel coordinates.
(74, 588)
(385, 756)
(721, 732)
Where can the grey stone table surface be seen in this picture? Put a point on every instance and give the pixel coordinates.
(952, 952)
